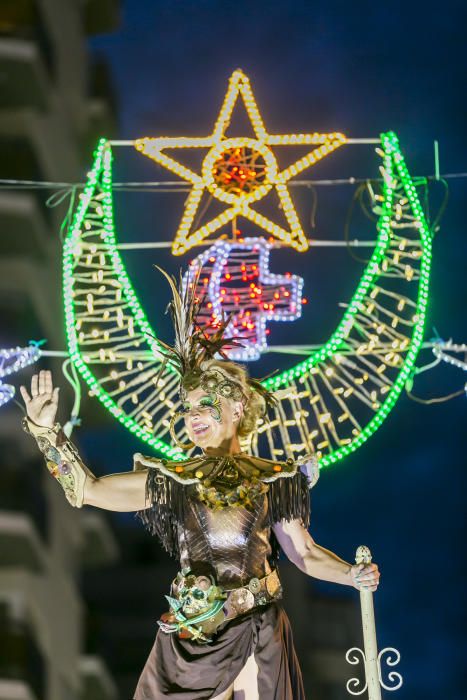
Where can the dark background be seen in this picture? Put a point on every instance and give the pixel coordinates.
(361, 68)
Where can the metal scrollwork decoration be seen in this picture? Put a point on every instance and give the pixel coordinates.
(392, 675)
(355, 682)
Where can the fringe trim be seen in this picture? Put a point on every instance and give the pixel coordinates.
(288, 499)
(162, 518)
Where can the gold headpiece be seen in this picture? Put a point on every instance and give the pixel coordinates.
(193, 347)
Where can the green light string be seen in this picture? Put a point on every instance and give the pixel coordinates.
(394, 164)
(102, 170)
(337, 339)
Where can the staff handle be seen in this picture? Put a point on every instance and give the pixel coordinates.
(363, 556)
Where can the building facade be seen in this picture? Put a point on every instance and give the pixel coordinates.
(53, 106)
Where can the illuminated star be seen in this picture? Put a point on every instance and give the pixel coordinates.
(239, 171)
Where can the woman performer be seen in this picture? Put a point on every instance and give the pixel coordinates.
(224, 514)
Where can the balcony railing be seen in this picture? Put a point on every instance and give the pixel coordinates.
(20, 657)
(24, 80)
(21, 492)
(23, 20)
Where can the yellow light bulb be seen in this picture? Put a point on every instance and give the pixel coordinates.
(239, 87)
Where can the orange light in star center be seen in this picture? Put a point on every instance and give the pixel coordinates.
(239, 170)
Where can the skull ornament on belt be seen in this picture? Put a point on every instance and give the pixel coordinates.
(195, 593)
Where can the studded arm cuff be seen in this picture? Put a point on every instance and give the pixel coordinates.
(309, 465)
(62, 459)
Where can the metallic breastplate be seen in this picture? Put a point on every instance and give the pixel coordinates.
(233, 541)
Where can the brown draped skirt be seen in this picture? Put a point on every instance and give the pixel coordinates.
(184, 670)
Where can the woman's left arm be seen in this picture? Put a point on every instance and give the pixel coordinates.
(319, 562)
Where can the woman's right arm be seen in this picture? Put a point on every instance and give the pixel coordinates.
(120, 492)
(123, 492)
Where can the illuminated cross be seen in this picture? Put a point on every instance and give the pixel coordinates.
(239, 171)
(235, 278)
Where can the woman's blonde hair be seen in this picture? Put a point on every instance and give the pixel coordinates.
(254, 405)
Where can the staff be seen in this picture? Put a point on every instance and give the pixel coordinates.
(372, 659)
(363, 556)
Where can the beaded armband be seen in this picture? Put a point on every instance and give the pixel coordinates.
(309, 465)
(62, 459)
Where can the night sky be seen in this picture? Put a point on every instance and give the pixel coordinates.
(360, 68)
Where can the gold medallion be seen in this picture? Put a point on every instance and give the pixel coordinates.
(254, 585)
(273, 584)
(241, 600)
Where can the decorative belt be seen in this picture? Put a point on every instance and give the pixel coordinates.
(198, 606)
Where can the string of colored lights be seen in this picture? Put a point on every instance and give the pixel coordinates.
(441, 349)
(282, 349)
(11, 361)
(102, 313)
(399, 257)
(177, 186)
(336, 398)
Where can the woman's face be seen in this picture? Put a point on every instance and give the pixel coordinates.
(210, 419)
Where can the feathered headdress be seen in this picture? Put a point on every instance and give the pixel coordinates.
(193, 346)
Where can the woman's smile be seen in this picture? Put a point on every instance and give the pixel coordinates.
(200, 428)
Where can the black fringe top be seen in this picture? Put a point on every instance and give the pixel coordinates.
(220, 482)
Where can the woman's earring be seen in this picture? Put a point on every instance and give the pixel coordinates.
(182, 446)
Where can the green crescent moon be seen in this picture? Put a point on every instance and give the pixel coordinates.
(331, 403)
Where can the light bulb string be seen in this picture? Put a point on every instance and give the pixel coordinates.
(177, 186)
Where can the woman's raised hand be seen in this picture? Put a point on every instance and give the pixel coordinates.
(42, 405)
